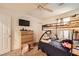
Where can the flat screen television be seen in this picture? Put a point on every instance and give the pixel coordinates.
(23, 22)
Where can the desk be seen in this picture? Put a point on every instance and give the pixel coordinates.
(76, 52)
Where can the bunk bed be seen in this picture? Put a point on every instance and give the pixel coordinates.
(52, 51)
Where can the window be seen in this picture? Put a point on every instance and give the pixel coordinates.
(60, 34)
(66, 34)
(60, 21)
(66, 20)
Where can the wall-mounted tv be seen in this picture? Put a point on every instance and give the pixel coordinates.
(23, 22)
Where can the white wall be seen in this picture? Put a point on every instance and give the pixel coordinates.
(35, 25)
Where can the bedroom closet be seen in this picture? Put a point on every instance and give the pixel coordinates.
(5, 34)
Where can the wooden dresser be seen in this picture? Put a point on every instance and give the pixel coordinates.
(26, 37)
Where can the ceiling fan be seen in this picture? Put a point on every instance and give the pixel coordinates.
(60, 4)
(43, 6)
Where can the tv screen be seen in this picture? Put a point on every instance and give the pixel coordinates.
(24, 22)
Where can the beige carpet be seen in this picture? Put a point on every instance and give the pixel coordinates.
(33, 52)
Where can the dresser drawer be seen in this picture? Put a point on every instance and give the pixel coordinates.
(26, 32)
(26, 36)
(26, 40)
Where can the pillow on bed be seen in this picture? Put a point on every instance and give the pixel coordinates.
(46, 41)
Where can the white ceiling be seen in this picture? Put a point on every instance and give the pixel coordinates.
(31, 8)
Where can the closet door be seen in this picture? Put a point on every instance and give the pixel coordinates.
(6, 32)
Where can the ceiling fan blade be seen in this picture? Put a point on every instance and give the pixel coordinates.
(40, 6)
(47, 9)
(60, 4)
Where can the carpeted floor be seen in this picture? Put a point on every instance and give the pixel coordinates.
(35, 52)
(32, 52)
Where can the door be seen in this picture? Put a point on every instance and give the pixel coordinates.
(5, 33)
